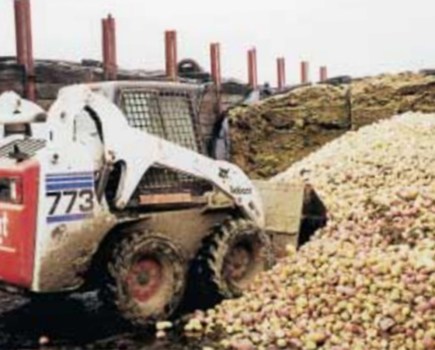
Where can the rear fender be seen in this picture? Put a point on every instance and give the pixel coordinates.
(18, 226)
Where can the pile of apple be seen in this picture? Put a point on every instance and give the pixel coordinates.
(367, 280)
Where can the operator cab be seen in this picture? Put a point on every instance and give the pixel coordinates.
(170, 111)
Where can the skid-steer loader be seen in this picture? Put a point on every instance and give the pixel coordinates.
(111, 189)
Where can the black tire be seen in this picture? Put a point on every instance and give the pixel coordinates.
(221, 254)
(48, 301)
(145, 278)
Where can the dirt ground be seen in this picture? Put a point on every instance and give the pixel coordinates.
(74, 322)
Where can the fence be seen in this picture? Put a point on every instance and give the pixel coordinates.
(25, 59)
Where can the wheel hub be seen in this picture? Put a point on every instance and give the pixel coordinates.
(238, 263)
(144, 279)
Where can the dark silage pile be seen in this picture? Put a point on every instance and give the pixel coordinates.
(269, 137)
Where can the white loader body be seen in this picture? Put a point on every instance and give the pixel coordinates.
(72, 218)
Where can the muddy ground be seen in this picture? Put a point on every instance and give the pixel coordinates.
(75, 322)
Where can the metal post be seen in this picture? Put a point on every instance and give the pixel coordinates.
(252, 69)
(281, 73)
(215, 59)
(106, 49)
(20, 32)
(304, 72)
(278, 73)
(323, 73)
(110, 64)
(113, 52)
(24, 45)
(255, 69)
(29, 43)
(216, 64)
(250, 75)
(171, 54)
(30, 88)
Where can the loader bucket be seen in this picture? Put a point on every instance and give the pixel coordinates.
(294, 212)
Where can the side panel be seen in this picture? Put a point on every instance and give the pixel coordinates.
(69, 251)
(71, 219)
(18, 227)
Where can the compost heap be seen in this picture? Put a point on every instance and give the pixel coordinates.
(288, 127)
(367, 280)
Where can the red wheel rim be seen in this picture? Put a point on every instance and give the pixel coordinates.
(144, 279)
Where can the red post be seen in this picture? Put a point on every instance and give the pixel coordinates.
(281, 73)
(105, 41)
(24, 45)
(323, 73)
(113, 50)
(216, 64)
(171, 54)
(20, 32)
(28, 16)
(304, 72)
(215, 61)
(110, 64)
(252, 68)
(250, 77)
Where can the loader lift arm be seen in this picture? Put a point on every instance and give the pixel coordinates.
(139, 150)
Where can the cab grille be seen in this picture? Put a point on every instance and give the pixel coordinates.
(168, 114)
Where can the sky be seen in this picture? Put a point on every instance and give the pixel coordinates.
(350, 37)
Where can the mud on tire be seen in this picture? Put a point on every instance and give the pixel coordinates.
(230, 258)
(145, 278)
